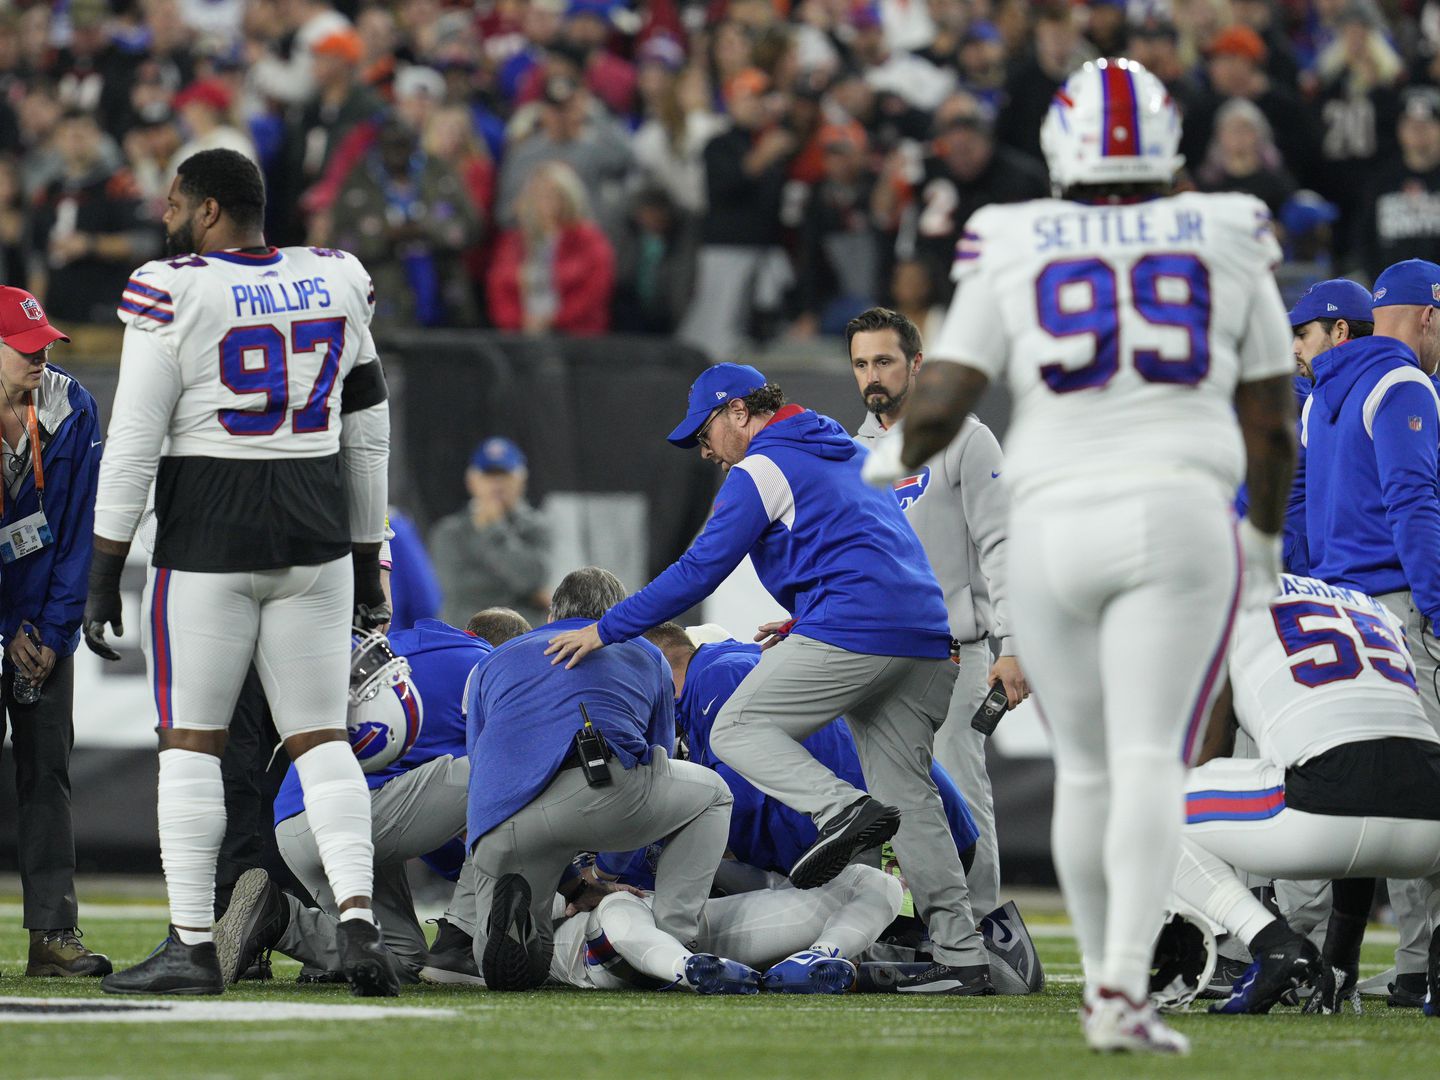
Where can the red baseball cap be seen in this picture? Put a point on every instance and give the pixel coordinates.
(23, 325)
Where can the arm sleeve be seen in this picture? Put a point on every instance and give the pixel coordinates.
(986, 506)
(1406, 459)
(145, 397)
(739, 519)
(59, 618)
(365, 444)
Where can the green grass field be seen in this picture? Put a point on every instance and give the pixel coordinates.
(560, 1034)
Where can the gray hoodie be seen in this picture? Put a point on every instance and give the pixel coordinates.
(960, 510)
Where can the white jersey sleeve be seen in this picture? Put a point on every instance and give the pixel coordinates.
(1265, 351)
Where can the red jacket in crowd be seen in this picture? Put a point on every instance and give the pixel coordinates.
(584, 280)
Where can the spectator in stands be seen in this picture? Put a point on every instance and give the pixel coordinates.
(204, 108)
(13, 256)
(1261, 16)
(1156, 44)
(1242, 157)
(1401, 216)
(450, 137)
(39, 114)
(655, 278)
(554, 272)
(91, 74)
(839, 254)
(540, 27)
(1059, 48)
(610, 77)
(676, 126)
(292, 80)
(982, 65)
(408, 218)
(1106, 26)
(86, 233)
(496, 551)
(912, 293)
(152, 151)
(916, 80)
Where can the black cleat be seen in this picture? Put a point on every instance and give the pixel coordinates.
(1278, 974)
(452, 958)
(863, 824)
(972, 980)
(368, 966)
(885, 976)
(173, 968)
(252, 925)
(1342, 988)
(1407, 991)
(508, 962)
(1431, 1004)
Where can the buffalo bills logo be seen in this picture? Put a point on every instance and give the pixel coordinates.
(909, 489)
(31, 307)
(368, 739)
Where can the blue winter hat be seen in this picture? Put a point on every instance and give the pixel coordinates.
(715, 386)
(1414, 281)
(1337, 298)
(497, 454)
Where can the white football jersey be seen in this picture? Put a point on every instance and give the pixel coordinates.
(1323, 666)
(1124, 329)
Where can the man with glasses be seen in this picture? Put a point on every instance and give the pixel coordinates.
(49, 465)
(869, 639)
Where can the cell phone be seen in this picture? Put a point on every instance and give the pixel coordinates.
(987, 717)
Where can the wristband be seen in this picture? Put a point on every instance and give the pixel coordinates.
(367, 578)
(105, 570)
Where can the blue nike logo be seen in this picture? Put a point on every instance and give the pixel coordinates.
(994, 476)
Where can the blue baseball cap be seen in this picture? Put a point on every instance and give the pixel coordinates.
(497, 455)
(714, 387)
(1337, 298)
(1414, 281)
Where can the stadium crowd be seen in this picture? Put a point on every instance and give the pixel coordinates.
(578, 166)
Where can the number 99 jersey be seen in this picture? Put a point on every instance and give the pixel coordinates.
(1124, 329)
(1320, 667)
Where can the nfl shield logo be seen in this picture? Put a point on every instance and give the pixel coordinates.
(31, 307)
(909, 490)
(1416, 423)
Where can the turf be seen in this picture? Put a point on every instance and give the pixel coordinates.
(561, 1034)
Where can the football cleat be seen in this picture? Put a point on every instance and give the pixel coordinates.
(863, 824)
(452, 958)
(709, 974)
(1341, 989)
(368, 965)
(1407, 991)
(173, 968)
(1278, 974)
(810, 971)
(252, 925)
(1112, 1022)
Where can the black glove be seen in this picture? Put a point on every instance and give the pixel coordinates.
(371, 610)
(102, 605)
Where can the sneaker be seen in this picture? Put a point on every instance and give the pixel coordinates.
(508, 962)
(1228, 971)
(1277, 974)
(1340, 989)
(863, 824)
(1407, 991)
(173, 968)
(452, 958)
(708, 974)
(315, 976)
(971, 980)
(885, 976)
(59, 954)
(810, 971)
(368, 966)
(1432, 977)
(1112, 1022)
(252, 925)
(259, 971)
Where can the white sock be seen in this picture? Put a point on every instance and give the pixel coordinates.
(190, 805)
(1077, 844)
(866, 901)
(337, 804)
(194, 937)
(368, 914)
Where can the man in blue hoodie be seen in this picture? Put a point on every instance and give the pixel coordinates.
(868, 639)
(1371, 432)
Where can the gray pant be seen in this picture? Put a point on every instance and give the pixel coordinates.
(686, 804)
(731, 282)
(410, 816)
(1411, 899)
(960, 750)
(894, 705)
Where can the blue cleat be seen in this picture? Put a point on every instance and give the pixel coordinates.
(810, 971)
(1277, 975)
(709, 974)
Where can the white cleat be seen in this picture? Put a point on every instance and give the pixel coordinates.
(1114, 1023)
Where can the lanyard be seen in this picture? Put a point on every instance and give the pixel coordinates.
(32, 427)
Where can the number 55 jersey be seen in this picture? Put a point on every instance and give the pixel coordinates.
(1124, 328)
(236, 368)
(1323, 666)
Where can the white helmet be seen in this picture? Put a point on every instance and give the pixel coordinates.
(1183, 961)
(386, 712)
(1111, 123)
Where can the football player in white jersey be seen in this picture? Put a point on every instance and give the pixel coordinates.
(249, 380)
(1347, 786)
(1133, 326)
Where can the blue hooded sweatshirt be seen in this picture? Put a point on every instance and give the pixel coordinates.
(1372, 492)
(833, 551)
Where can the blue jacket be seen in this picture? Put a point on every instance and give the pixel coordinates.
(524, 713)
(834, 552)
(1372, 492)
(441, 659)
(1297, 550)
(48, 587)
(414, 588)
(764, 832)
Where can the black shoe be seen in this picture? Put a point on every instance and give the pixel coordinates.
(509, 962)
(452, 958)
(259, 971)
(972, 980)
(1228, 971)
(1340, 989)
(863, 824)
(885, 976)
(314, 976)
(1278, 974)
(368, 965)
(61, 954)
(173, 968)
(252, 925)
(1407, 991)
(1432, 976)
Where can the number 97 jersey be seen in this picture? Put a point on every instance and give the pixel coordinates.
(1124, 330)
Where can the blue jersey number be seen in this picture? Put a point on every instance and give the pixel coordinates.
(239, 350)
(1100, 318)
(1393, 663)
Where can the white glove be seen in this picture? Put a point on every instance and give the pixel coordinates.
(1261, 553)
(882, 464)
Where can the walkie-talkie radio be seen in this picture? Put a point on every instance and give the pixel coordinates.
(593, 752)
(987, 717)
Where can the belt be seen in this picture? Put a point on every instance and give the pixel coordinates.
(572, 759)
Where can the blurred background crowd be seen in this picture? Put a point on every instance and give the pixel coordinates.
(734, 172)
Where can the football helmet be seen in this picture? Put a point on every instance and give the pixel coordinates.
(1111, 123)
(1183, 961)
(386, 712)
